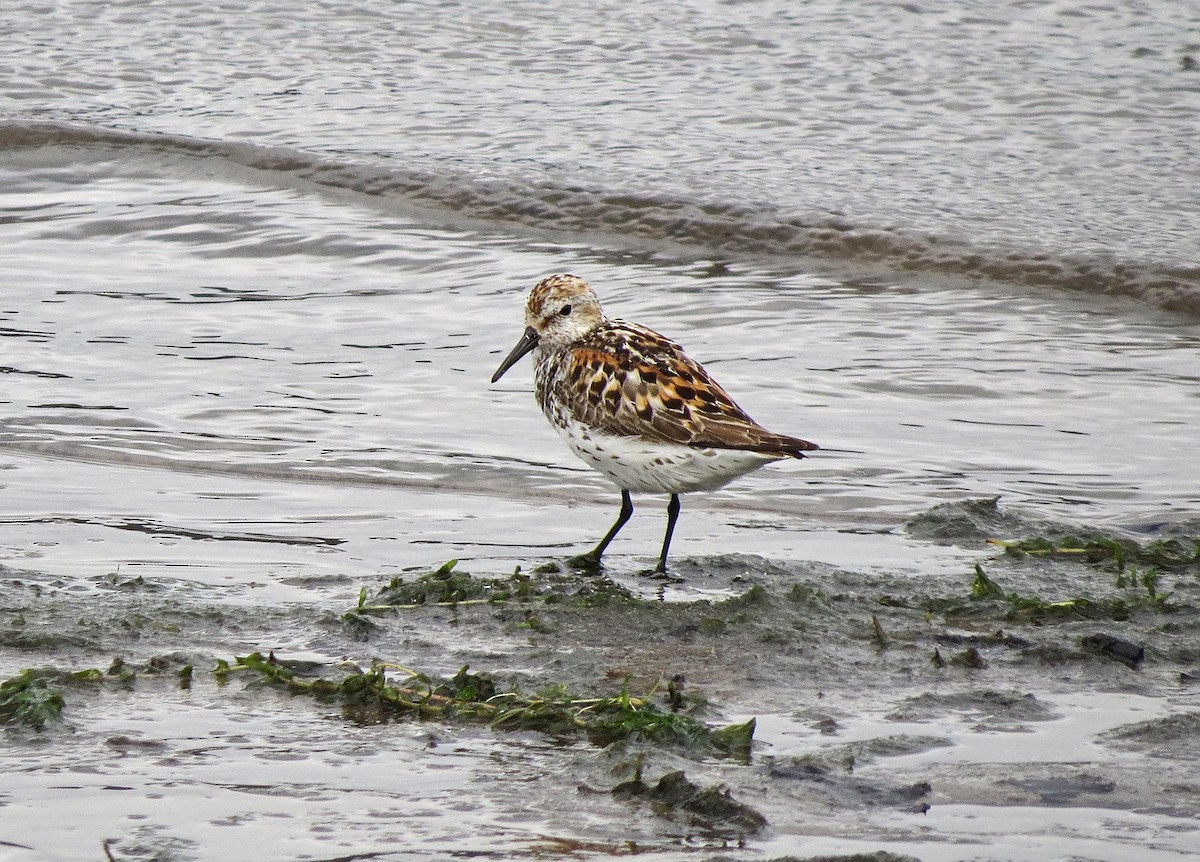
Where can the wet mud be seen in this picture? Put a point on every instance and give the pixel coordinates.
(1041, 677)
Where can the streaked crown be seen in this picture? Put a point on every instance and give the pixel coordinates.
(562, 309)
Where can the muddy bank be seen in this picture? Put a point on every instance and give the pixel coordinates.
(1055, 673)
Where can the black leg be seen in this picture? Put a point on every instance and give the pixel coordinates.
(625, 514)
(672, 517)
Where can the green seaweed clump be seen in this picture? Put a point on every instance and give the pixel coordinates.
(1171, 553)
(28, 699)
(447, 587)
(1035, 609)
(375, 695)
(443, 586)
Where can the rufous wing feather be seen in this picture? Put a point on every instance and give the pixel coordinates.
(628, 381)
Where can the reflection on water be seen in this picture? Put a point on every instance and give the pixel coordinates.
(1041, 127)
(205, 324)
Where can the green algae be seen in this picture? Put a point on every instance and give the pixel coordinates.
(38, 697)
(35, 697)
(1136, 569)
(386, 691)
(447, 586)
(1170, 553)
(1032, 608)
(29, 699)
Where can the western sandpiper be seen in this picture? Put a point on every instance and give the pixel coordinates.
(634, 406)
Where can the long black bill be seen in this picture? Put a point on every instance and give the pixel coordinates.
(528, 341)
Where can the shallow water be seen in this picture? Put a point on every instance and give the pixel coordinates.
(241, 330)
(1044, 142)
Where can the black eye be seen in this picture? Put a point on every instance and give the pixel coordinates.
(565, 310)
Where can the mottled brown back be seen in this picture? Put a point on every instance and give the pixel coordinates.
(626, 380)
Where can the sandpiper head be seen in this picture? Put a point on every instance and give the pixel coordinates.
(560, 310)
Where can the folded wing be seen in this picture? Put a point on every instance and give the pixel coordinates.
(630, 381)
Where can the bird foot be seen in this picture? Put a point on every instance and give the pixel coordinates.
(588, 562)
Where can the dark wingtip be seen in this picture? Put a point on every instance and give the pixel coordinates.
(797, 447)
(777, 446)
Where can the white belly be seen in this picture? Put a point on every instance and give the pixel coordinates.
(669, 468)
